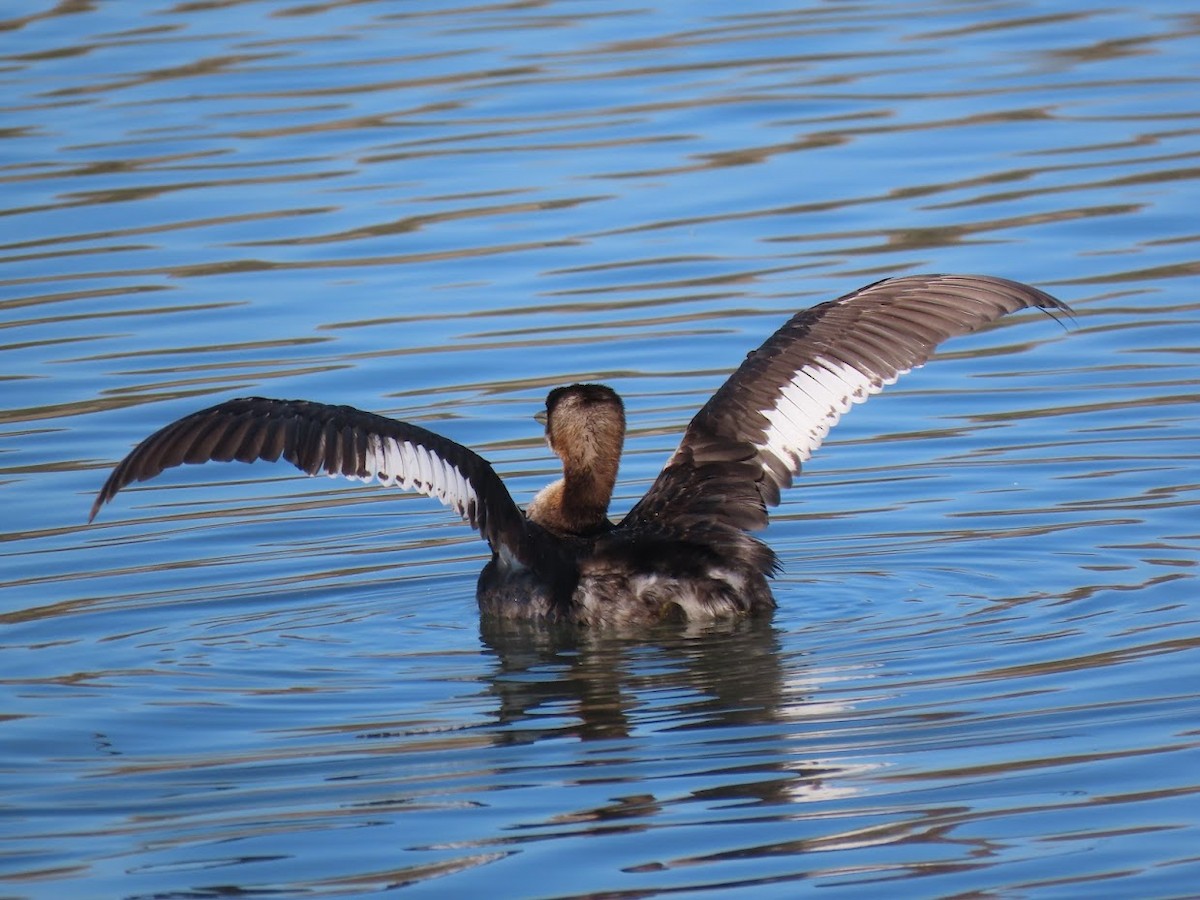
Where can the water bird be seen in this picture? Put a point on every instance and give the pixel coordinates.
(685, 550)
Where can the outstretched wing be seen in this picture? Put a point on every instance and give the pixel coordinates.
(336, 440)
(748, 441)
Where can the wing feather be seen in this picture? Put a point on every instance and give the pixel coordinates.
(779, 405)
(336, 440)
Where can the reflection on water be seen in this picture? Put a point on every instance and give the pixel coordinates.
(981, 675)
(596, 676)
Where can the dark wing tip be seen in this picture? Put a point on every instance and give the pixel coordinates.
(1012, 295)
(192, 438)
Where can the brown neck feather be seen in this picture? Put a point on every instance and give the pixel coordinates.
(587, 490)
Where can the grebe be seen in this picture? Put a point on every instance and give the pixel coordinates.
(685, 549)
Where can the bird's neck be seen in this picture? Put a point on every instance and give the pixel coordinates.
(577, 504)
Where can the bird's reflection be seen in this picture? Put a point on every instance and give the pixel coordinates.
(719, 682)
(729, 673)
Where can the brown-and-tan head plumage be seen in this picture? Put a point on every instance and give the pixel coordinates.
(585, 427)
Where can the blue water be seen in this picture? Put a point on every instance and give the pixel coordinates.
(982, 676)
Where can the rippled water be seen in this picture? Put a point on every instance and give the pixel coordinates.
(983, 675)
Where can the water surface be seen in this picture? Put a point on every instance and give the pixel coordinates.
(982, 677)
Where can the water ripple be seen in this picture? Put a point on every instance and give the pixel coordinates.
(980, 678)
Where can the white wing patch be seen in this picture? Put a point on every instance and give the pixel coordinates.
(812, 403)
(412, 466)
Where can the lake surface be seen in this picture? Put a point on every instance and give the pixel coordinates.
(983, 677)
